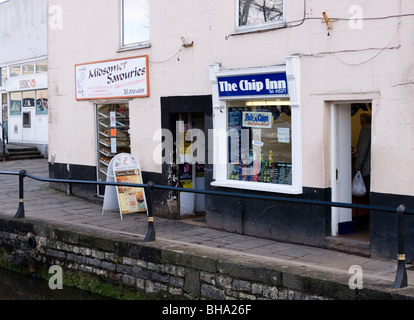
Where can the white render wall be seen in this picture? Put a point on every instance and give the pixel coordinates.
(369, 64)
(23, 25)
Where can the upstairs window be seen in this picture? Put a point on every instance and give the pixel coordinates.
(135, 24)
(41, 66)
(15, 71)
(28, 69)
(259, 14)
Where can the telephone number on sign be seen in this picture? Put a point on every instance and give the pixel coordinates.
(133, 91)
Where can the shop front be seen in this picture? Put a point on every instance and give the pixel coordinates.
(25, 107)
(186, 123)
(107, 89)
(258, 150)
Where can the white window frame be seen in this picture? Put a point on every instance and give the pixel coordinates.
(220, 141)
(131, 46)
(260, 26)
(1, 75)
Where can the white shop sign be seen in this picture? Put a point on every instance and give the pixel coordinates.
(123, 78)
(25, 83)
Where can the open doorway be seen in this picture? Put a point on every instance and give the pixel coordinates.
(346, 129)
(190, 159)
(189, 167)
(361, 114)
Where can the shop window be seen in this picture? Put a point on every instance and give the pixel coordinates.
(4, 109)
(15, 103)
(28, 99)
(42, 106)
(259, 14)
(257, 128)
(112, 123)
(259, 144)
(135, 24)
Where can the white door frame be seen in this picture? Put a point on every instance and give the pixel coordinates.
(341, 174)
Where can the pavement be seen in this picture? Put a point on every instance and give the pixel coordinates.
(43, 202)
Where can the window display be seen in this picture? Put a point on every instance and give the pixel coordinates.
(259, 142)
(28, 99)
(113, 136)
(42, 106)
(15, 103)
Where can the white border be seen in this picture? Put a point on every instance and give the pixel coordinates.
(293, 72)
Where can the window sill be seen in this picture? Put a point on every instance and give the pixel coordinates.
(137, 46)
(258, 28)
(258, 186)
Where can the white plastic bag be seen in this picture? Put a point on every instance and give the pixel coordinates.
(358, 185)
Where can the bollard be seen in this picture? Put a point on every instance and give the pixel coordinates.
(20, 210)
(401, 276)
(150, 236)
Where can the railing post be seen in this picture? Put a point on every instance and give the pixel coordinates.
(150, 236)
(20, 210)
(401, 276)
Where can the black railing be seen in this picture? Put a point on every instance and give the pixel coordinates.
(400, 211)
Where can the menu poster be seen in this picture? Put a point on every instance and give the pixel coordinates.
(127, 170)
(131, 199)
(234, 127)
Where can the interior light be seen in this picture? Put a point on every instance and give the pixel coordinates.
(265, 103)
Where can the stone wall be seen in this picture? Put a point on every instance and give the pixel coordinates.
(124, 267)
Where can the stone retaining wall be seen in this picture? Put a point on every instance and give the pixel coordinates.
(123, 267)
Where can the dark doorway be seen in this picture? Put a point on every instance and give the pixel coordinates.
(188, 118)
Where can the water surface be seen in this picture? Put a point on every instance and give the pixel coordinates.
(14, 286)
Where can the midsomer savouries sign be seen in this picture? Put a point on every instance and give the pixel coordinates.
(123, 78)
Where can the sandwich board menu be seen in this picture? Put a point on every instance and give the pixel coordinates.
(128, 199)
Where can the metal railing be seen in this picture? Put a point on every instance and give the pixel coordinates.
(400, 211)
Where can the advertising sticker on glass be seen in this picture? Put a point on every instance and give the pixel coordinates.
(123, 78)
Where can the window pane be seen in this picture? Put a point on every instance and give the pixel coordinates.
(28, 99)
(28, 69)
(15, 103)
(41, 67)
(135, 22)
(260, 144)
(15, 71)
(42, 106)
(260, 11)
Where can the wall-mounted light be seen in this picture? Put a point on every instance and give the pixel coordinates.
(186, 43)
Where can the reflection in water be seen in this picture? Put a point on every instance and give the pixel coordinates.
(14, 286)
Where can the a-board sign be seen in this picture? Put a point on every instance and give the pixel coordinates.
(124, 168)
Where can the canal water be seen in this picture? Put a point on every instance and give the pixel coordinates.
(14, 286)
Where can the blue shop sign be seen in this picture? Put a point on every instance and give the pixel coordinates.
(253, 85)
